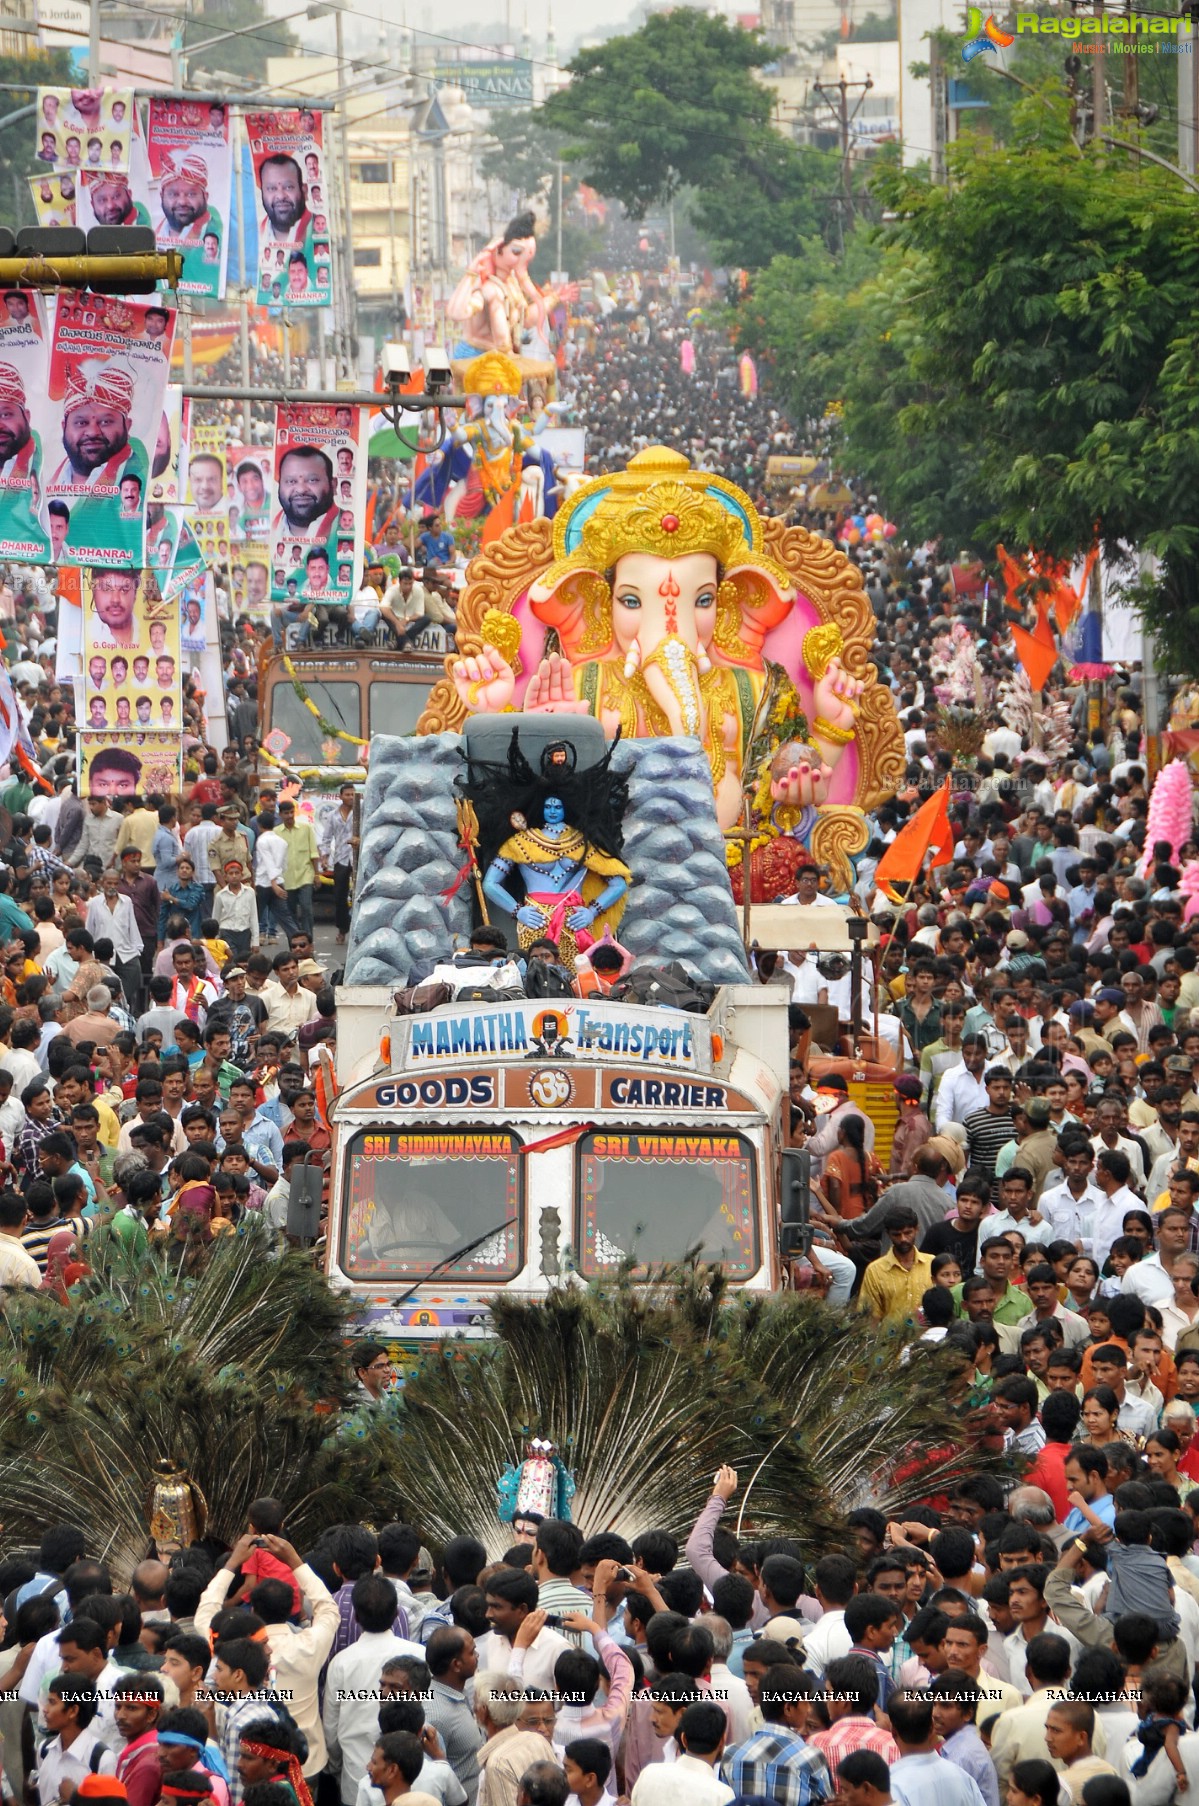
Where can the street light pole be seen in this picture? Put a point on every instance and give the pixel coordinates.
(349, 329)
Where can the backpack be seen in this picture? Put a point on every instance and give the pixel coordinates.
(669, 987)
(544, 979)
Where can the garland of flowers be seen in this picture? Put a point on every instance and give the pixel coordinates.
(320, 775)
(327, 727)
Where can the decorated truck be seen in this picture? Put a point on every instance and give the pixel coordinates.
(657, 701)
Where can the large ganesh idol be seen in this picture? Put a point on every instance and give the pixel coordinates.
(660, 602)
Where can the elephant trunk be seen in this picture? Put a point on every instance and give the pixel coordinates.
(671, 676)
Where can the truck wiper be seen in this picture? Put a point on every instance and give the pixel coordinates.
(451, 1260)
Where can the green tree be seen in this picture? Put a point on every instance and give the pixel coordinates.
(677, 106)
(244, 56)
(1021, 366)
(18, 141)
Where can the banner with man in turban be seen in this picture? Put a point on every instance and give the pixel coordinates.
(294, 244)
(106, 197)
(23, 535)
(99, 416)
(320, 483)
(191, 173)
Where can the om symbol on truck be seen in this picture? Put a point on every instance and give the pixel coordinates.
(550, 1088)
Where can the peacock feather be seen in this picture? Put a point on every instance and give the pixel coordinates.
(237, 1372)
(232, 1372)
(647, 1390)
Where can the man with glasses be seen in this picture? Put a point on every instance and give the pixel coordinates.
(374, 1371)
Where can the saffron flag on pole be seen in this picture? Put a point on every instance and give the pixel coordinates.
(927, 832)
(1037, 652)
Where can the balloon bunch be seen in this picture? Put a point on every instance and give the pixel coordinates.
(865, 529)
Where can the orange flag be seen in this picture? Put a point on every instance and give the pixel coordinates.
(501, 516)
(927, 832)
(1037, 654)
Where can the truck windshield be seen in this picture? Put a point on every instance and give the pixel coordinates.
(655, 1195)
(396, 705)
(339, 703)
(412, 1198)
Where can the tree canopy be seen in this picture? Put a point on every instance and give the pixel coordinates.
(48, 68)
(244, 56)
(676, 107)
(1017, 354)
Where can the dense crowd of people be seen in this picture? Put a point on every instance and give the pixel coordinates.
(1029, 1639)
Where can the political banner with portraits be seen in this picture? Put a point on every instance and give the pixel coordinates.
(249, 484)
(168, 449)
(99, 415)
(250, 580)
(137, 762)
(191, 174)
(84, 128)
(132, 675)
(172, 552)
(110, 197)
(207, 474)
(294, 242)
(320, 489)
(54, 198)
(24, 336)
(197, 617)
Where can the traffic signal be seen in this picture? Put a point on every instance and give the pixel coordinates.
(122, 241)
(131, 262)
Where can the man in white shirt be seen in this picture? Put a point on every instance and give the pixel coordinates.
(270, 861)
(511, 1595)
(298, 1652)
(72, 1751)
(110, 917)
(690, 1779)
(962, 1091)
(197, 841)
(22, 1063)
(834, 1581)
(79, 1649)
(1151, 1280)
(1112, 1169)
(351, 1723)
(1069, 1208)
(17, 1267)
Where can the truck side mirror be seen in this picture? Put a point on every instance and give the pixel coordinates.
(304, 1201)
(795, 1201)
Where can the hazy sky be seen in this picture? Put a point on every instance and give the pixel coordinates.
(477, 23)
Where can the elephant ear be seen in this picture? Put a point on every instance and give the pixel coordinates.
(765, 600)
(578, 604)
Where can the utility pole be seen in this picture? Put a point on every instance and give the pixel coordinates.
(558, 265)
(836, 97)
(1188, 92)
(1099, 118)
(236, 135)
(93, 43)
(937, 91)
(350, 333)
